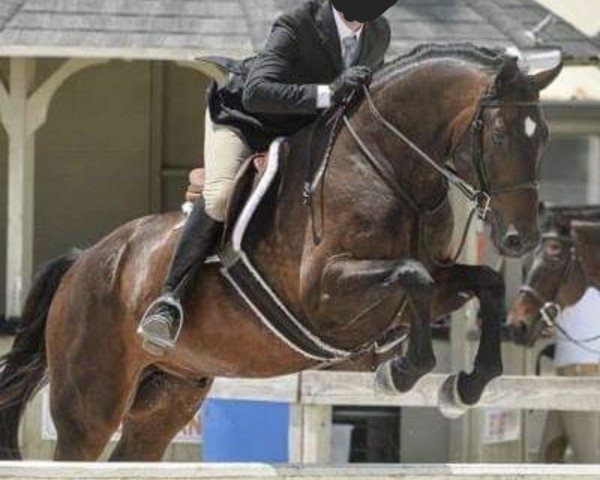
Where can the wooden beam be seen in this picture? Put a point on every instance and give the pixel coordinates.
(280, 389)
(22, 113)
(205, 471)
(5, 107)
(317, 424)
(593, 194)
(349, 388)
(39, 102)
(157, 112)
(21, 153)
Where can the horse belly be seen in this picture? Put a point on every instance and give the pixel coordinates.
(223, 337)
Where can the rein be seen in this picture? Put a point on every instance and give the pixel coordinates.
(479, 198)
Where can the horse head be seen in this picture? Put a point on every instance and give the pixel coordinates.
(475, 109)
(499, 152)
(553, 276)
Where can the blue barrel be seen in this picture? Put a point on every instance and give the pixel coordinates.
(245, 431)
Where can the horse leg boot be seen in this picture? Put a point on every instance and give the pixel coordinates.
(162, 323)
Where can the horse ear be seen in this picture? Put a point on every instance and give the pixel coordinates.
(542, 79)
(508, 74)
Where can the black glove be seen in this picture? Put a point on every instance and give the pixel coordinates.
(349, 81)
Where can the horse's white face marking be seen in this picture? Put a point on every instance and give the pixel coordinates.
(530, 127)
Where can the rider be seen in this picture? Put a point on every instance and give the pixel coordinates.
(316, 55)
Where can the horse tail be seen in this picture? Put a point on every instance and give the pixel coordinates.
(24, 366)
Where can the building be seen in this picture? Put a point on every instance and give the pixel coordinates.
(102, 104)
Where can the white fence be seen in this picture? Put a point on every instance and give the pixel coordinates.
(349, 388)
(313, 394)
(54, 471)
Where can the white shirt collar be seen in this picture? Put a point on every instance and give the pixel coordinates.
(343, 30)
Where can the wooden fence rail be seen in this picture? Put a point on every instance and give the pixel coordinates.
(342, 388)
(184, 471)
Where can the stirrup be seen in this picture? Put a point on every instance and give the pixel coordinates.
(157, 345)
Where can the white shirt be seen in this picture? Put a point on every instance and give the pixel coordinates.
(344, 31)
(581, 321)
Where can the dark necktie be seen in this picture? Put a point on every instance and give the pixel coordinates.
(350, 50)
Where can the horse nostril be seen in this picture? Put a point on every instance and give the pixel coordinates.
(513, 241)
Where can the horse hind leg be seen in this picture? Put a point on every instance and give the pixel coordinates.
(91, 383)
(162, 407)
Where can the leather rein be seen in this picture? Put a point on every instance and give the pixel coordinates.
(480, 198)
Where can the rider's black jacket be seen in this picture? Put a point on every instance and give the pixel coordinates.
(275, 92)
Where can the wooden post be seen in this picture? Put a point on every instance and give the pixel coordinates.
(310, 429)
(316, 436)
(594, 170)
(21, 154)
(23, 112)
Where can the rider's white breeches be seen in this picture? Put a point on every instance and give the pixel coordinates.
(225, 151)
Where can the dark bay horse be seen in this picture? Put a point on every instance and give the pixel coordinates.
(563, 266)
(469, 106)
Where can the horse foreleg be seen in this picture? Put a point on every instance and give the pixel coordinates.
(352, 285)
(163, 406)
(401, 373)
(464, 390)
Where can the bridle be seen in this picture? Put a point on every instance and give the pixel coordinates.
(551, 309)
(481, 197)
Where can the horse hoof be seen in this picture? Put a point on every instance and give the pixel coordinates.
(449, 402)
(396, 376)
(384, 383)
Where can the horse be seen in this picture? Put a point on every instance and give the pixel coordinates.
(561, 269)
(385, 223)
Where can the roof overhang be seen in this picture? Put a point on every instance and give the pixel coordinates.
(125, 53)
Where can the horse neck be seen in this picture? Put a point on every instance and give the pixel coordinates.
(433, 109)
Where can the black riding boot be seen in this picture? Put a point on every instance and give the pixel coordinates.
(161, 324)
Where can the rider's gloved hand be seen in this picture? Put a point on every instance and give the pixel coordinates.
(350, 80)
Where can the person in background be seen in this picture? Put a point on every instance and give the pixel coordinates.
(579, 430)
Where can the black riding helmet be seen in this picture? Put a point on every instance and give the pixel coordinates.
(362, 10)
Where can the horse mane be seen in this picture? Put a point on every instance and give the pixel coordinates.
(488, 58)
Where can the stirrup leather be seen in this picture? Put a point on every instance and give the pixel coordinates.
(170, 301)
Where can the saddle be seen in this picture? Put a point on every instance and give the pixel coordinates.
(249, 206)
(249, 174)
